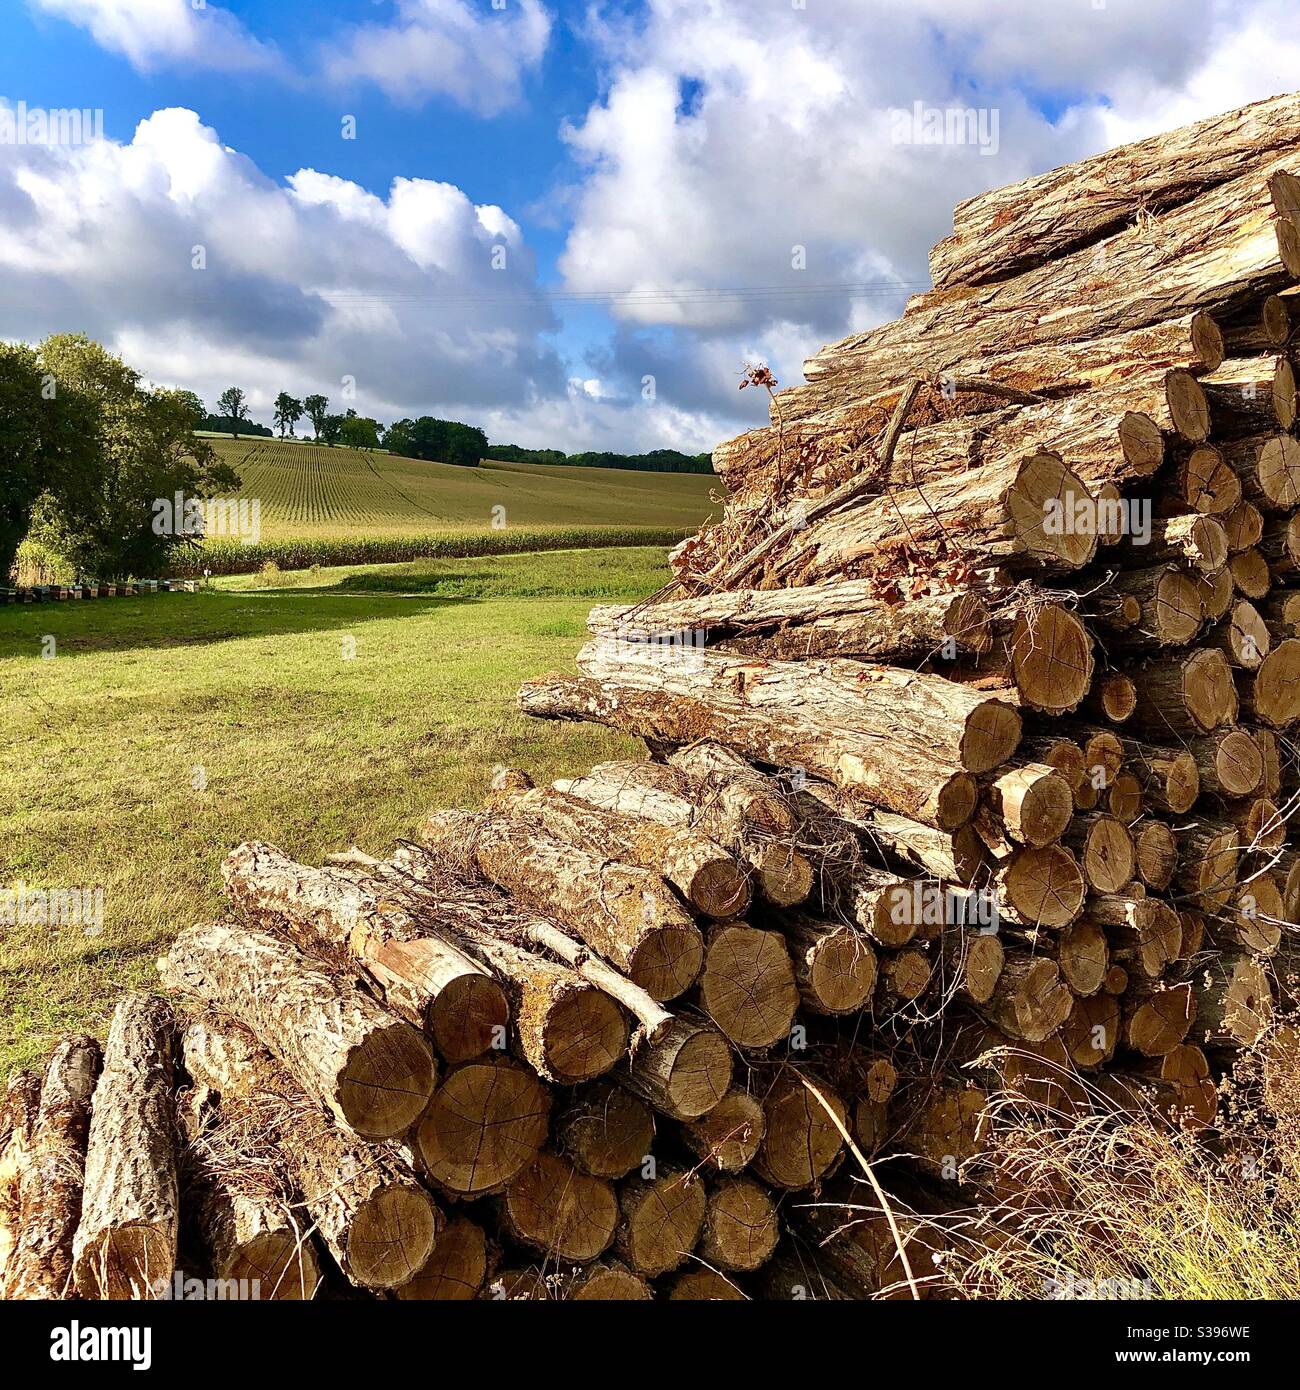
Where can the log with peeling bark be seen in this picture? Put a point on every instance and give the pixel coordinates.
(908, 741)
(250, 1224)
(841, 618)
(704, 873)
(125, 1241)
(685, 1074)
(363, 1199)
(372, 1071)
(627, 914)
(999, 233)
(49, 1188)
(424, 978)
(18, 1110)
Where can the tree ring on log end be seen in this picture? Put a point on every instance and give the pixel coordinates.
(391, 1237)
(991, 736)
(464, 1017)
(387, 1082)
(586, 1035)
(1051, 658)
(667, 961)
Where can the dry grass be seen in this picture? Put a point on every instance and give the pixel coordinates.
(1100, 1202)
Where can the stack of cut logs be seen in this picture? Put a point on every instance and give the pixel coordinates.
(969, 774)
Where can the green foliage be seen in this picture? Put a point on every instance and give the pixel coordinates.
(317, 408)
(359, 431)
(331, 429)
(222, 556)
(47, 443)
(145, 451)
(656, 461)
(223, 424)
(288, 411)
(231, 403)
(439, 441)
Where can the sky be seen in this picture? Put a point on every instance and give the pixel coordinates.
(571, 222)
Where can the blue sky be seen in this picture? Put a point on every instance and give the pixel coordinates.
(672, 148)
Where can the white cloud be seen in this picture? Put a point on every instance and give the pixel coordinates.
(156, 33)
(475, 54)
(721, 144)
(303, 284)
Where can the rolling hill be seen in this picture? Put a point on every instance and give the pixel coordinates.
(308, 491)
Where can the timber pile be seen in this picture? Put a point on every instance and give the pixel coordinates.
(969, 774)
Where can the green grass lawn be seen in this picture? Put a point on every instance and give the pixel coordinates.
(295, 743)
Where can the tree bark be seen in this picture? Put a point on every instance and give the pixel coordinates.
(50, 1183)
(627, 914)
(125, 1242)
(1012, 229)
(373, 1072)
(422, 977)
(364, 1201)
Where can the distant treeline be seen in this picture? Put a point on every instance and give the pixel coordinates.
(656, 461)
(223, 424)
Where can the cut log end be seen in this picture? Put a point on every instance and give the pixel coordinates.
(991, 736)
(467, 1016)
(667, 962)
(748, 987)
(586, 1034)
(486, 1122)
(391, 1237)
(387, 1082)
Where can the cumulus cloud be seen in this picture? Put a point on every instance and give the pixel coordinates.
(727, 151)
(156, 33)
(178, 252)
(474, 54)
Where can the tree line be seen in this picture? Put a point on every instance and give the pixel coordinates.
(439, 441)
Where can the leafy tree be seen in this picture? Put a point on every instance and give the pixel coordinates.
(145, 451)
(288, 411)
(47, 444)
(361, 432)
(440, 441)
(317, 408)
(231, 405)
(331, 429)
(196, 407)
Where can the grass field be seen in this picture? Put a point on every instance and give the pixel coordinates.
(247, 693)
(310, 491)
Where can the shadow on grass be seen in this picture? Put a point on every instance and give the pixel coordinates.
(195, 620)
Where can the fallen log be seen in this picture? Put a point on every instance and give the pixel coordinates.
(364, 1201)
(373, 1072)
(49, 1189)
(125, 1242)
(627, 914)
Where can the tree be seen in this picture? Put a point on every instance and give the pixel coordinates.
(145, 453)
(231, 405)
(47, 444)
(360, 432)
(317, 408)
(331, 429)
(440, 441)
(288, 411)
(196, 407)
